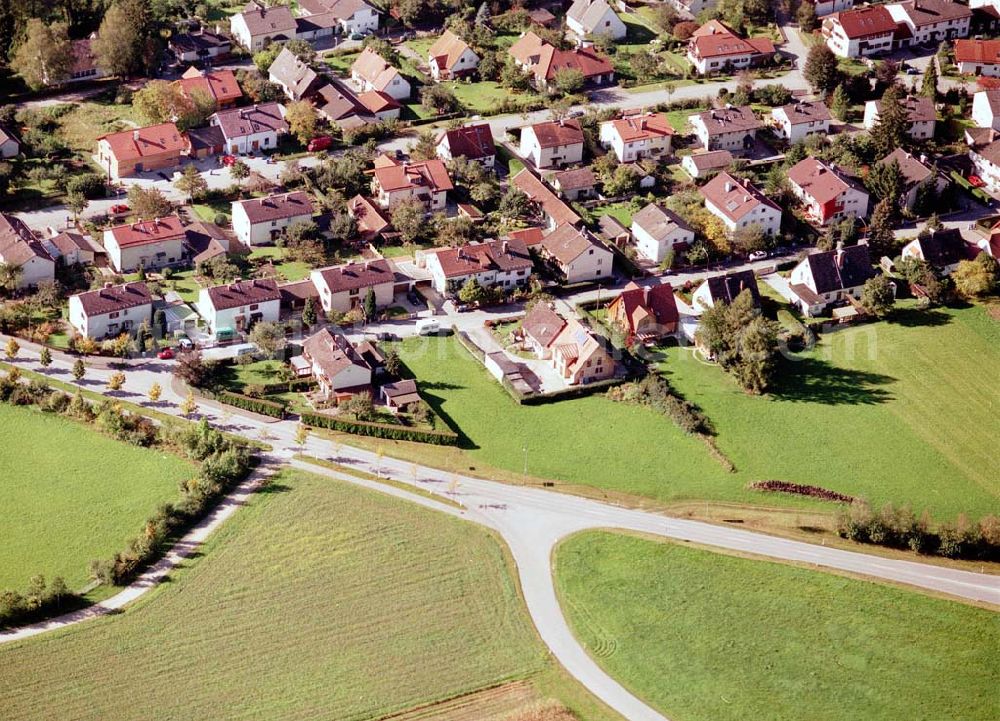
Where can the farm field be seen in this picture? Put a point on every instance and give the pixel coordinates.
(325, 599)
(72, 495)
(709, 637)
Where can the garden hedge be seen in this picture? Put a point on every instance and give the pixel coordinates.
(254, 405)
(381, 430)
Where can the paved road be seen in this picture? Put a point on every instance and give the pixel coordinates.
(532, 521)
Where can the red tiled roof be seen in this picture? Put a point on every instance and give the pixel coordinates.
(528, 236)
(538, 193)
(544, 59)
(470, 141)
(376, 101)
(977, 51)
(558, 132)
(357, 275)
(431, 174)
(501, 255)
(367, 215)
(139, 143)
(246, 292)
(113, 299)
(866, 21)
(657, 300)
(639, 127)
(218, 84)
(817, 180)
(148, 231)
(447, 49)
(734, 197)
(275, 207)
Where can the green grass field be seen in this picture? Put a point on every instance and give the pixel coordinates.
(72, 495)
(708, 637)
(291, 270)
(316, 600)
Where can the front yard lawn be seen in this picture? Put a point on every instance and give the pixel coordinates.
(483, 96)
(291, 270)
(741, 639)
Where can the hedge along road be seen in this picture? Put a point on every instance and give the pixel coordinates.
(531, 520)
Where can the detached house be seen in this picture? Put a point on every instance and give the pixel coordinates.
(261, 221)
(20, 248)
(9, 145)
(828, 194)
(725, 289)
(554, 211)
(931, 21)
(69, 248)
(295, 78)
(978, 57)
(350, 16)
(543, 60)
(698, 165)
(450, 58)
(151, 244)
(920, 113)
(219, 85)
(252, 129)
(860, 32)
(344, 287)
(657, 231)
(338, 367)
(827, 277)
(576, 184)
(503, 263)
(985, 107)
(942, 250)
(236, 307)
(916, 173)
(739, 204)
(426, 181)
(257, 25)
(472, 142)
(111, 310)
(577, 255)
(130, 152)
(84, 62)
(730, 128)
(797, 121)
(985, 156)
(645, 313)
(199, 47)
(556, 143)
(637, 136)
(371, 73)
(594, 17)
(574, 351)
(368, 217)
(714, 47)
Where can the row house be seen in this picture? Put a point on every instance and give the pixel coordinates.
(556, 143)
(111, 310)
(199, 47)
(978, 57)
(797, 121)
(342, 288)
(502, 263)
(552, 209)
(860, 32)
(261, 221)
(828, 194)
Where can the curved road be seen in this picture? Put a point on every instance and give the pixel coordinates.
(530, 520)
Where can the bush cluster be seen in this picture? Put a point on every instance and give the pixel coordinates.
(254, 405)
(387, 431)
(37, 601)
(801, 490)
(655, 392)
(900, 528)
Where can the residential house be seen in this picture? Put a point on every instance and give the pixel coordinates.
(502, 263)
(340, 106)
(698, 165)
(985, 18)
(828, 194)
(84, 65)
(344, 287)
(426, 181)
(295, 78)
(645, 313)
(371, 72)
(554, 211)
(985, 156)
(920, 113)
(828, 277)
(382, 105)
(575, 184)
(542, 18)
(543, 60)
(589, 18)
(335, 363)
(860, 32)
(150, 244)
(715, 47)
(577, 255)
(204, 241)
(472, 142)
(637, 136)
(130, 152)
(69, 248)
(725, 289)
(350, 16)
(942, 250)
(978, 57)
(251, 129)
(450, 58)
(575, 352)
(313, 28)
(828, 7)
(371, 222)
(399, 395)
(739, 204)
(20, 248)
(986, 107)
(258, 25)
(658, 231)
(556, 143)
(205, 142)
(236, 307)
(797, 121)
(931, 21)
(111, 310)
(916, 173)
(9, 145)
(218, 85)
(199, 47)
(732, 128)
(261, 221)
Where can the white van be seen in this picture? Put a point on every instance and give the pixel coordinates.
(428, 326)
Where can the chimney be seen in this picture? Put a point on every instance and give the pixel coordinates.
(135, 135)
(108, 284)
(506, 248)
(839, 254)
(729, 187)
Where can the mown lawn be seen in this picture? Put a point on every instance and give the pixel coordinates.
(237, 376)
(483, 96)
(71, 495)
(318, 599)
(893, 411)
(291, 270)
(709, 637)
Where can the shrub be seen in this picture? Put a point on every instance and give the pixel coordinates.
(800, 490)
(254, 405)
(387, 431)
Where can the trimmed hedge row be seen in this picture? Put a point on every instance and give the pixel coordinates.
(800, 489)
(381, 430)
(254, 405)
(296, 386)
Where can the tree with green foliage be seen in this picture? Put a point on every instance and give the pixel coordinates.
(44, 56)
(302, 120)
(741, 340)
(878, 295)
(438, 98)
(885, 180)
(881, 237)
(10, 277)
(239, 171)
(568, 81)
(45, 357)
(890, 131)
(393, 365)
(840, 104)
(370, 305)
(12, 349)
(123, 45)
(268, 336)
(513, 76)
(140, 274)
(821, 70)
(77, 202)
(472, 292)
(806, 17)
(425, 148)
(309, 312)
(263, 59)
(976, 278)
(79, 370)
(148, 203)
(408, 220)
(928, 87)
(191, 182)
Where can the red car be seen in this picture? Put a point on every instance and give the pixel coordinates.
(228, 160)
(321, 143)
(119, 209)
(165, 354)
(975, 181)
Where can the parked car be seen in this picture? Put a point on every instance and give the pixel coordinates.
(386, 336)
(463, 307)
(910, 70)
(165, 354)
(319, 143)
(228, 160)
(185, 343)
(428, 326)
(119, 209)
(414, 297)
(758, 255)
